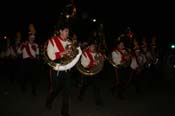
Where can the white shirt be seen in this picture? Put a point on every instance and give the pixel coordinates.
(23, 50)
(52, 48)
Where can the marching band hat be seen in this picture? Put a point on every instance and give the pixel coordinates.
(31, 29)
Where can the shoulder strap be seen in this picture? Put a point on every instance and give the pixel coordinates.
(58, 44)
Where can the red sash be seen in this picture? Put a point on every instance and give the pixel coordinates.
(123, 56)
(91, 63)
(34, 47)
(59, 46)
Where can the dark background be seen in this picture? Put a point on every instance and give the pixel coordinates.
(144, 17)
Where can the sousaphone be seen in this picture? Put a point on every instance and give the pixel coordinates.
(67, 62)
(93, 70)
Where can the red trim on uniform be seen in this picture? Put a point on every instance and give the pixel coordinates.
(22, 47)
(89, 54)
(123, 56)
(28, 51)
(84, 54)
(61, 38)
(59, 46)
(34, 47)
(51, 42)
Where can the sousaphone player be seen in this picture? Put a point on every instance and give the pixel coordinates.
(59, 49)
(91, 59)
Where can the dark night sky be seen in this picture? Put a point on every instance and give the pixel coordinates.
(144, 16)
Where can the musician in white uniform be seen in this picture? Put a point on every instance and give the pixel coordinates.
(138, 61)
(14, 59)
(122, 59)
(59, 80)
(89, 59)
(30, 55)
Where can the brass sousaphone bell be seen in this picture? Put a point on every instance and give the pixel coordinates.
(93, 70)
(67, 62)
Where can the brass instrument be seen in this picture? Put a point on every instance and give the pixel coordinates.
(93, 70)
(123, 65)
(68, 61)
(71, 55)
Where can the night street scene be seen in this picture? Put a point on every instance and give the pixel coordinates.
(87, 58)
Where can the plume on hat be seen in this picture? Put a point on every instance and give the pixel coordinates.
(32, 29)
(136, 44)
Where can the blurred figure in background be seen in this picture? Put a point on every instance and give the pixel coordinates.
(30, 56)
(91, 58)
(122, 59)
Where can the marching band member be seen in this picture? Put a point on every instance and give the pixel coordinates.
(30, 54)
(154, 49)
(138, 61)
(59, 80)
(147, 53)
(14, 47)
(89, 59)
(121, 58)
(149, 62)
(14, 57)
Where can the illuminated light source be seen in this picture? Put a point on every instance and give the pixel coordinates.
(172, 46)
(5, 37)
(94, 20)
(67, 16)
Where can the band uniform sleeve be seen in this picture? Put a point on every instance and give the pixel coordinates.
(134, 64)
(85, 60)
(51, 50)
(20, 49)
(12, 52)
(116, 58)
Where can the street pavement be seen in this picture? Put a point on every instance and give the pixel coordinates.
(157, 99)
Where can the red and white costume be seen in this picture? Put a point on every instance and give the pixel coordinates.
(118, 56)
(56, 45)
(134, 61)
(29, 50)
(88, 58)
